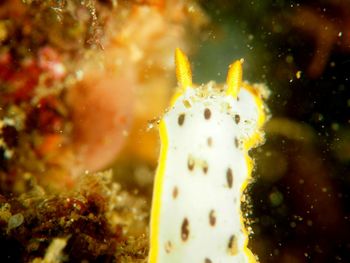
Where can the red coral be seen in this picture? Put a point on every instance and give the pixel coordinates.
(22, 77)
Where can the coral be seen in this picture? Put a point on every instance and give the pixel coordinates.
(94, 220)
(79, 85)
(76, 79)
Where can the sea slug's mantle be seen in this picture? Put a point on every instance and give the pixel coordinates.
(203, 169)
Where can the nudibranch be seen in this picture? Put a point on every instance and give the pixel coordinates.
(203, 169)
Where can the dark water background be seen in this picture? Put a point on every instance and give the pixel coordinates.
(300, 207)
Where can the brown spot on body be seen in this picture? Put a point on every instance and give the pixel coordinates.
(207, 260)
(190, 163)
(185, 232)
(236, 142)
(187, 104)
(210, 141)
(229, 177)
(237, 118)
(168, 246)
(205, 167)
(181, 119)
(232, 245)
(175, 192)
(207, 113)
(212, 218)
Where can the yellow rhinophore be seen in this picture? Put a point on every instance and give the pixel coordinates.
(183, 70)
(234, 78)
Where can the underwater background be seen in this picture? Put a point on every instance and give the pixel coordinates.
(68, 67)
(300, 49)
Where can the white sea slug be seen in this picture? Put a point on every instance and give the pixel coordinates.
(203, 169)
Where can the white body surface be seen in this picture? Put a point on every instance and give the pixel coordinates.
(204, 167)
(205, 195)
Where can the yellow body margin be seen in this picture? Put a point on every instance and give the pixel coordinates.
(255, 140)
(157, 194)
